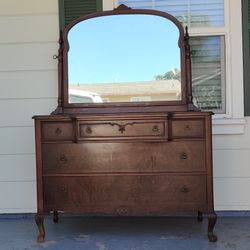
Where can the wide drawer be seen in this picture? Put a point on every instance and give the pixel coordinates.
(187, 128)
(122, 129)
(57, 131)
(90, 157)
(125, 194)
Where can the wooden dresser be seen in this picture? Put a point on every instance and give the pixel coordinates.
(133, 164)
(123, 149)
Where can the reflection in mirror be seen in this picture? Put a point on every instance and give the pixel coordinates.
(124, 58)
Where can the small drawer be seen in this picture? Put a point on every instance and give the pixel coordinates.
(188, 128)
(124, 129)
(57, 131)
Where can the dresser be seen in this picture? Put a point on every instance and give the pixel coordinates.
(130, 164)
(128, 148)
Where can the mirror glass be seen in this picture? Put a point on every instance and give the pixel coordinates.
(124, 58)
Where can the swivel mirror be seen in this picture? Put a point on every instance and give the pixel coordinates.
(124, 58)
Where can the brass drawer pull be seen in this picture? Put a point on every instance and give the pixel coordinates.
(58, 131)
(88, 130)
(184, 189)
(63, 159)
(187, 128)
(183, 156)
(155, 128)
(64, 189)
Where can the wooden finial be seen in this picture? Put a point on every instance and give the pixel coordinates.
(122, 7)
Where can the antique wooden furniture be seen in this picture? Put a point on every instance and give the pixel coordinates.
(140, 158)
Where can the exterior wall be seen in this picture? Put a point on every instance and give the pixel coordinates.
(28, 86)
(232, 170)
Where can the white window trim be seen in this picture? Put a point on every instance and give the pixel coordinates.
(233, 121)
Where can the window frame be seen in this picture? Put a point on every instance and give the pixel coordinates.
(232, 121)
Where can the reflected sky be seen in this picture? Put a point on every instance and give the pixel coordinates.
(123, 48)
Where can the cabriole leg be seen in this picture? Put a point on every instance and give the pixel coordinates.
(55, 216)
(41, 232)
(211, 223)
(200, 216)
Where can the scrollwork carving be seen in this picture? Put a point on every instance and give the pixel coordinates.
(122, 127)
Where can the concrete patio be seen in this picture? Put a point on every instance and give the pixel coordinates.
(121, 233)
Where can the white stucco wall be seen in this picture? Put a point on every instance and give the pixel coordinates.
(28, 86)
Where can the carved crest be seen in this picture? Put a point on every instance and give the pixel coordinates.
(122, 7)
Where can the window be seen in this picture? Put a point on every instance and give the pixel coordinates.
(207, 51)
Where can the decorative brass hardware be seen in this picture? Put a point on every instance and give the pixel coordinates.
(122, 211)
(122, 127)
(183, 156)
(184, 189)
(155, 128)
(88, 130)
(187, 128)
(58, 131)
(63, 159)
(64, 189)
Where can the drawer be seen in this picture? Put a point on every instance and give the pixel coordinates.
(187, 128)
(123, 157)
(125, 194)
(181, 156)
(57, 131)
(122, 129)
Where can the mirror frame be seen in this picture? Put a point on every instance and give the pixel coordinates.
(64, 107)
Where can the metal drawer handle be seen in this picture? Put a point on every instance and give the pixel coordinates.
(58, 131)
(187, 128)
(183, 156)
(63, 159)
(184, 189)
(64, 189)
(155, 128)
(88, 130)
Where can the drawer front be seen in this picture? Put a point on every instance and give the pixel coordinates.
(125, 194)
(123, 157)
(181, 156)
(187, 128)
(124, 129)
(57, 131)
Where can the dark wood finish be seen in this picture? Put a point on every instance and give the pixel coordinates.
(139, 194)
(138, 175)
(211, 223)
(39, 221)
(125, 159)
(57, 131)
(187, 128)
(103, 157)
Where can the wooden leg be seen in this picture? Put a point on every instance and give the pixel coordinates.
(211, 223)
(55, 216)
(41, 232)
(200, 216)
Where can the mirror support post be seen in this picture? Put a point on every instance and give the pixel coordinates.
(59, 57)
(188, 71)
